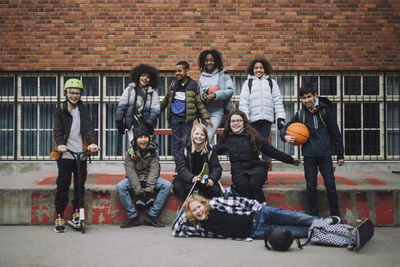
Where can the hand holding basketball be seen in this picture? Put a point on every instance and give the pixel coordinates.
(297, 134)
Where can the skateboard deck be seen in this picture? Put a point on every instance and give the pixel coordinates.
(361, 234)
(204, 172)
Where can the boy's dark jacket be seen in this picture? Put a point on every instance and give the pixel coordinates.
(194, 106)
(323, 140)
(62, 127)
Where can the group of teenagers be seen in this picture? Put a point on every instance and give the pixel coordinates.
(194, 111)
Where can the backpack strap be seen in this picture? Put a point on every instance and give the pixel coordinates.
(250, 83)
(322, 116)
(301, 116)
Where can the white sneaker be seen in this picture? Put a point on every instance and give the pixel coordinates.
(333, 220)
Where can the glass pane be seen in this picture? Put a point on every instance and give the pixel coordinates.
(6, 116)
(393, 85)
(371, 85)
(393, 142)
(371, 142)
(29, 116)
(352, 115)
(114, 86)
(371, 115)
(328, 85)
(94, 114)
(29, 86)
(289, 110)
(45, 143)
(46, 112)
(239, 81)
(286, 85)
(393, 115)
(310, 80)
(28, 143)
(48, 86)
(6, 86)
(111, 143)
(6, 143)
(352, 143)
(91, 85)
(352, 85)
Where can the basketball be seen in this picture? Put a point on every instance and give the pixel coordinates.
(211, 90)
(299, 131)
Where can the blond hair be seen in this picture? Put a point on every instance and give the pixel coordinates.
(191, 199)
(206, 140)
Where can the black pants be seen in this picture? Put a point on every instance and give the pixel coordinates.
(65, 169)
(325, 166)
(182, 189)
(180, 132)
(250, 186)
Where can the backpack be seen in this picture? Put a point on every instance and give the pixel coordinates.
(322, 233)
(250, 83)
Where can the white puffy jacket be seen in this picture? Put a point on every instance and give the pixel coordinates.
(261, 104)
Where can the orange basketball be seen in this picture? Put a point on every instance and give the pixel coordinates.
(299, 131)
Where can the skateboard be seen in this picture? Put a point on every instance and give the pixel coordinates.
(359, 235)
(204, 176)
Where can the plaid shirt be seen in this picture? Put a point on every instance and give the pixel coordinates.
(230, 205)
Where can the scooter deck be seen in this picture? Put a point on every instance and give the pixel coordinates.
(74, 225)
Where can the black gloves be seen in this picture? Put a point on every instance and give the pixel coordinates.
(280, 123)
(121, 127)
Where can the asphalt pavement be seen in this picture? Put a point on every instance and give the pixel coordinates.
(109, 245)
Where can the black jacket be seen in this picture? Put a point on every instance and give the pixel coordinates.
(324, 135)
(183, 162)
(242, 156)
(63, 123)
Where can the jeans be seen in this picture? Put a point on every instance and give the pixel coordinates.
(180, 132)
(325, 166)
(268, 217)
(263, 127)
(216, 118)
(65, 169)
(163, 187)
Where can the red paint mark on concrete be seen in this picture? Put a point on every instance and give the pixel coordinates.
(346, 203)
(109, 179)
(362, 206)
(38, 209)
(276, 197)
(102, 195)
(48, 179)
(345, 181)
(173, 203)
(384, 208)
(376, 182)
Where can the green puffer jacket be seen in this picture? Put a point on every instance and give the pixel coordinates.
(144, 168)
(194, 106)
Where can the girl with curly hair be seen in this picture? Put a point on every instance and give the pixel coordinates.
(139, 102)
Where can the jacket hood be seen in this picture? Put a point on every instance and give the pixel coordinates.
(324, 102)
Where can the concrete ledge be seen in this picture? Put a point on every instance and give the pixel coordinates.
(360, 196)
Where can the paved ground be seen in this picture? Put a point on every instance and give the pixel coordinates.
(108, 245)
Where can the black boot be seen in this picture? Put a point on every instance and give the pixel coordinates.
(130, 222)
(152, 220)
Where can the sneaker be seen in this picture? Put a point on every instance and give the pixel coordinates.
(140, 202)
(130, 222)
(333, 220)
(152, 220)
(59, 225)
(149, 199)
(75, 222)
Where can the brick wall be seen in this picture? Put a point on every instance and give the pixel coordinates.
(116, 34)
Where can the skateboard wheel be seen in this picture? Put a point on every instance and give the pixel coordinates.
(350, 247)
(358, 221)
(350, 227)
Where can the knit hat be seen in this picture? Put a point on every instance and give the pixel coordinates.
(142, 129)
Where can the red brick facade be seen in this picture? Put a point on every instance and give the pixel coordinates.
(116, 34)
